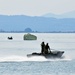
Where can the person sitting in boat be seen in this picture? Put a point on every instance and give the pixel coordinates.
(42, 47)
(47, 47)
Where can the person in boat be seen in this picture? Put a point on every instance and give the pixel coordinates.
(42, 47)
(47, 48)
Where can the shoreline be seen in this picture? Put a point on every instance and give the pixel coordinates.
(35, 32)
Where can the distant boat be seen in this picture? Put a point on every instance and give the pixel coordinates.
(10, 38)
(29, 37)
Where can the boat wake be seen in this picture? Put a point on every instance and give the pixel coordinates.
(15, 58)
(21, 58)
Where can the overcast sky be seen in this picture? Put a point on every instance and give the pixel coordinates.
(35, 7)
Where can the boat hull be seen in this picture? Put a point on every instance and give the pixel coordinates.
(53, 54)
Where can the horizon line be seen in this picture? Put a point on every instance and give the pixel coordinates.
(38, 15)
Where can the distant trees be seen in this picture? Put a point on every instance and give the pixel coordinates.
(28, 30)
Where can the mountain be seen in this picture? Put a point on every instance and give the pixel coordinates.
(41, 24)
(65, 15)
(50, 15)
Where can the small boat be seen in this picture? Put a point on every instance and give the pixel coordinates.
(52, 54)
(10, 38)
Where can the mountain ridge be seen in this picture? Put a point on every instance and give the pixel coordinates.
(41, 24)
(70, 14)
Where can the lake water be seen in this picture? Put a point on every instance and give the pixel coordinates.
(14, 60)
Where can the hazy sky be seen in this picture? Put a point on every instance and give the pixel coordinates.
(36, 7)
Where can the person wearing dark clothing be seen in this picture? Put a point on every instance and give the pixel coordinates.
(42, 47)
(47, 48)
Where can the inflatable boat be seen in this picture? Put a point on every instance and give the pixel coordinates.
(52, 54)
